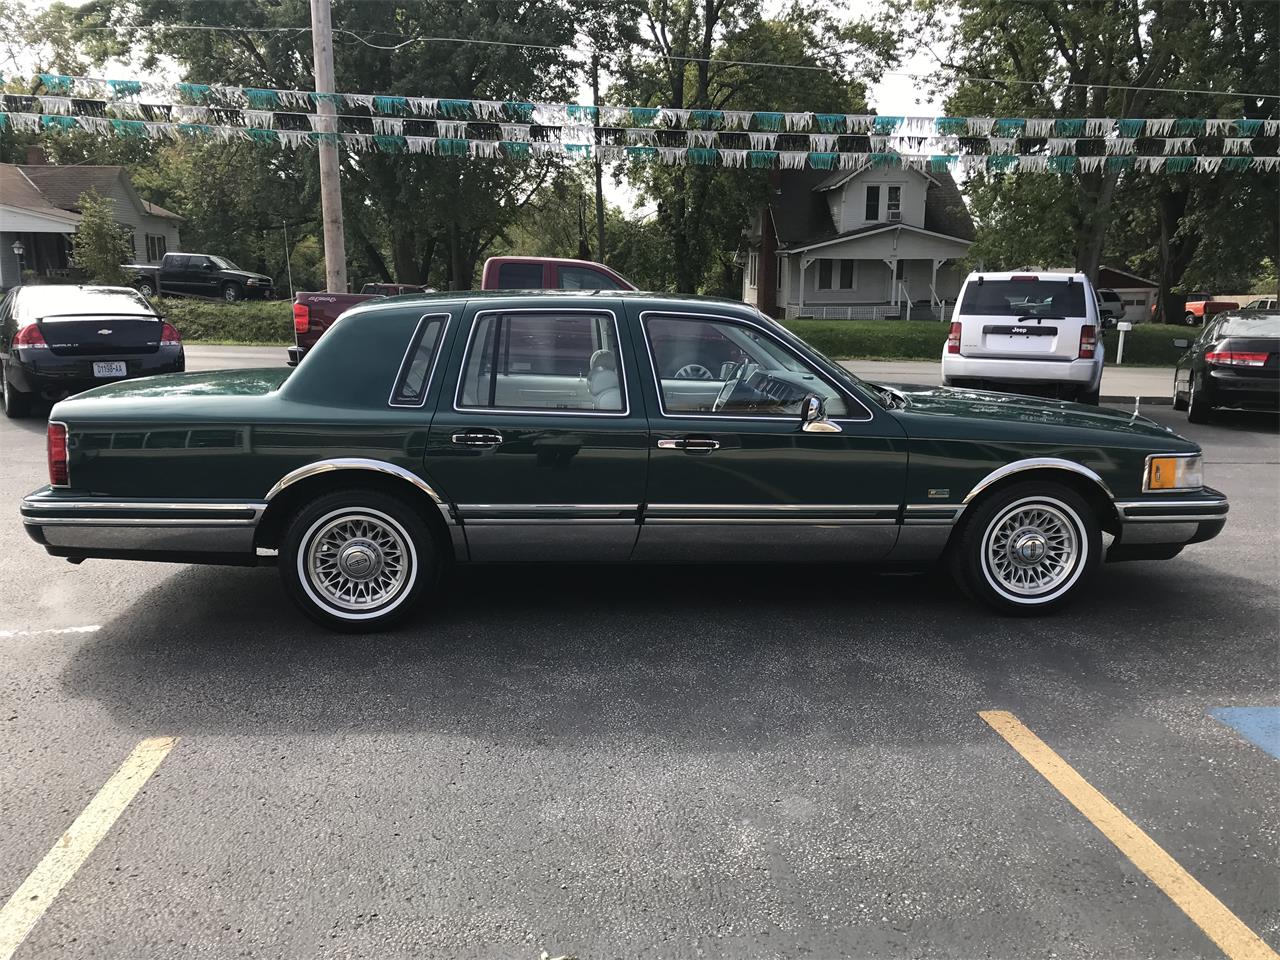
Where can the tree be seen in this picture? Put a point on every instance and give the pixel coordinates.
(100, 246)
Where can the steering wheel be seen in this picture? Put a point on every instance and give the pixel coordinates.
(693, 371)
(723, 396)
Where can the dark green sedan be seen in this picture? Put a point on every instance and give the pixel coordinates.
(600, 427)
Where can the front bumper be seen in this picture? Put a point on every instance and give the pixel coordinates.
(1157, 528)
(78, 527)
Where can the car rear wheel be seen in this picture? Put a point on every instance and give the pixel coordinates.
(232, 293)
(1190, 319)
(1028, 548)
(1179, 399)
(1199, 409)
(357, 560)
(16, 404)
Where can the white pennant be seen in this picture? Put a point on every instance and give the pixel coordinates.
(614, 116)
(577, 133)
(25, 121)
(451, 129)
(1158, 128)
(792, 159)
(485, 149)
(879, 144)
(1237, 145)
(185, 113)
(1208, 164)
(97, 125)
(733, 158)
(1091, 164)
(798, 121)
(737, 119)
(610, 153)
(762, 141)
(703, 138)
(980, 126)
(125, 109)
(1036, 164)
(1098, 126)
(360, 99)
(1271, 127)
(1002, 144)
(1118, 146)
(421, 144)
(423, 107)
(673, 117)
(1178, 144)
(1059, 146)
(487, 109)
(515, 132)
(547, 148)
(60, 105)
(388, 126)
(858, 123)
(261, 119)
(641, 136)
(1039, 128)
(823, 142)
(1266, 163)
(550, 114)
(1218, 128)
(1150, 164)
(671, 155)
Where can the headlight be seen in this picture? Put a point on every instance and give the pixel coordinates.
(1181, 471)
(252, 282)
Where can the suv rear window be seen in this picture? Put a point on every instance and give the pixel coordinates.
(1024, 298)
(520, 276)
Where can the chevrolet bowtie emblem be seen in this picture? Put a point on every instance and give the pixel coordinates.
(104, 332)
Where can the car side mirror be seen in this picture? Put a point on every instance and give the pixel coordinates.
(211, 266)
(813, 416)
(1182, 343)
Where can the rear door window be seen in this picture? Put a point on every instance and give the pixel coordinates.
(1023, 298)
(520, 276)
(584, 278)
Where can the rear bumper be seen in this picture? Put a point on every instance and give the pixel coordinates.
(79, 527)
(1228, 388)
(1157, 528)
(54, 375)
(1081, 373)
(296, 354)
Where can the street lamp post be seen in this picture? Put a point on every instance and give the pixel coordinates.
(18, 250)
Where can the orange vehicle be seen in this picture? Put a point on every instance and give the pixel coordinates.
(1201, 305)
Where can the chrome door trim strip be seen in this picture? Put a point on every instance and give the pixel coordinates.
(138, 505)
(137, 522)
(548, 508)
(1038, 463)
(544, 411)
(932, 514)
(351, 463)
(657, 381)
(415, 342)
(814, 521)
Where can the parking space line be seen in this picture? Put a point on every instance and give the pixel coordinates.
(1219, 924)
(92, 628)
(29, 902)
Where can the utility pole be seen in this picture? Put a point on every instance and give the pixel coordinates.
(335, 243)
(595, 102)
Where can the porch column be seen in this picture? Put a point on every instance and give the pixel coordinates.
(804, 265)
(893, 279)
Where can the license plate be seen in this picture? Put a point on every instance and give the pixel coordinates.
(113, 368)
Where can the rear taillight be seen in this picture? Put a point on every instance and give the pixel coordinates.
(953, 338)
(57, 446)
(1024, 276)
(301, 318)
(30, 336)
(169, 335)
(1235, 358)
(1088, 341)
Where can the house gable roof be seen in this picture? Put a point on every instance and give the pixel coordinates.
(62, 185)
(19, 193)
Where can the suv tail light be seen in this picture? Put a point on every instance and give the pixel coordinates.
(301, 318)
(953, 338)
(30, 336)
(57, 448)
(169, 335)
(1236, 358)
(1088, 341)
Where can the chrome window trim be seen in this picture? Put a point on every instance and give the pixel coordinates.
(1146, 472)
(1038, 463)
(351, 463)
(743, 321)
(415, 342)
(545, 411)
(67, 431)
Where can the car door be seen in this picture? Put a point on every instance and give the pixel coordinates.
(201, 276)
(541, 446)
(734, 474)
(171, 277)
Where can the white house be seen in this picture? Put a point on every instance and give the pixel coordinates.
(857, 243)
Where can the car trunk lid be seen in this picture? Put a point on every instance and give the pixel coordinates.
(100, 335)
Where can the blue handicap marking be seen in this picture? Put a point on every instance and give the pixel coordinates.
(1258, 725)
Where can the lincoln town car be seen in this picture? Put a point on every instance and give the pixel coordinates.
(601, 426)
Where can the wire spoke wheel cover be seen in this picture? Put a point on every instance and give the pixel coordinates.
(357, 562)
(1034, 550)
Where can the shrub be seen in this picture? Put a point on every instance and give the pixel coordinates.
(268, 322)
(100, 246)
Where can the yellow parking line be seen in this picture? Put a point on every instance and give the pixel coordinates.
(33, 898)
(1207, 912)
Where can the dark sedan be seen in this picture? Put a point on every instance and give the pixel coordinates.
(59, 340)
(1235, 362)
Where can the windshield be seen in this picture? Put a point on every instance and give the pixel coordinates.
(1266, 325)
(224, 263)
(63, 301)
(1023, 298)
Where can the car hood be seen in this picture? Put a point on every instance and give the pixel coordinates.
(1001, 410)
(247, 274)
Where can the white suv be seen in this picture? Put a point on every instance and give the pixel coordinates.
(1026, 333)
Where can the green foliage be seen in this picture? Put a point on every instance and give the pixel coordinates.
(100, 246)
(267, 322)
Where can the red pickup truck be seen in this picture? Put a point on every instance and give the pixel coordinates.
(314, 313)
(1200, 306)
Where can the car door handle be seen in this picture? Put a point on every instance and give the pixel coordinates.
(689, 443)
(477, 438)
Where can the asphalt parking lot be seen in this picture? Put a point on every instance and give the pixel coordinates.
(611, 762)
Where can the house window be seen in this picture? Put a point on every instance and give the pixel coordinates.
(846, 274)
(893, 206)
(753, 267)
(873, 202)
(824, 274)
(156, 248)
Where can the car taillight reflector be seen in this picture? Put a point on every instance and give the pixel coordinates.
(1236, 358)
(953, 338)
(1088, 341)
(30, 336)
(169, 335)
(301, 318)
(57, 447)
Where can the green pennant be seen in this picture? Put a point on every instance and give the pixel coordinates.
(1062, 164)
(258, 135)
(998, 162)
(56, 83)
(1248, 128)
(328, 138)
(822, 161)
(194, 92)
(577, 149)
(515, 149)
(518, 110)
(583, 113)
(1189, 127)
(452, 146)
(706, 119)
(762, 159)
(832, 122)
(129, 128)
(454, 109)
(1179, 164)
(641, 152)
(260, 99)
(389, 143)
(885, 159)
(195, 129)
(1119, 164)
(1068, 128)
(394, 106)
(702, 156)
(768, 121)
(885, 125)
(125, 88)
(1009, 127)
(59, 122)
(952, 126)
(1236, 163)
(1131, 128)
(941, 162)
(643, 116)
(4, 117)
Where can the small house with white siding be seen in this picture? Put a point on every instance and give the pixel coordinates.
(869, 243)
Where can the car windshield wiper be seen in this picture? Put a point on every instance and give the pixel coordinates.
(1039, 316)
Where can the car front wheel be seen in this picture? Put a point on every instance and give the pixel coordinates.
(1028, 548)
(146, 289)
(357, 560)
(232, 293)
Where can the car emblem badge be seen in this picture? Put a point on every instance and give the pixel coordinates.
(104, 332)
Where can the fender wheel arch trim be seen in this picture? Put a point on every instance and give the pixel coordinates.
(1037, 463)
(353, 463)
